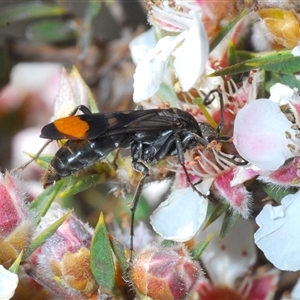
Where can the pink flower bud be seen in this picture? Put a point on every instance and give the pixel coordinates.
(63, 261)
(164, 272)
(16, 222)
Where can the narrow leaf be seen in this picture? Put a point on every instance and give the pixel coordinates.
(280, 61)
(29, 11)
(276, 192)
(121, 252)
(229, 220)
(42, 203)
(51, 31)
(232, 57)
(93, 9)
(44, 235)
(43, 159)
(210, 120)
(75, 184)
(102, 263)
(218, 210)
(225, 30)
(200, 247)
(14, 268)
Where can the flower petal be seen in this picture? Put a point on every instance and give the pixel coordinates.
(8, 283)
(244, 173)
(180, 216)
(229, 259)
(296, 51)
(192, 55)
(141, 43)
(151, 68)
(260, 134)
(296, 291)
(278, 235)
(281, 93)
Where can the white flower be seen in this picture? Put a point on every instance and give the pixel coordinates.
(180, 216)
(295, 294)
(278, 235)
(190, 49)
(229, 259)
(73, 91)
(260, 134)
(296, 51)
(281, 93)
(8, 283)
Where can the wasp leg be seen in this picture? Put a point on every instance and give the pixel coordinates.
(142, 168)
(192, 136)
(181, 159)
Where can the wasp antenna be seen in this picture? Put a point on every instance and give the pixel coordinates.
(208, 100)
(34, 158)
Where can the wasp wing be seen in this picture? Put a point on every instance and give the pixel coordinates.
(92, 126)
(76, 127)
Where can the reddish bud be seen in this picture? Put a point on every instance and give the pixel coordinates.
(164, 272)
(63, 261)
(16, 222)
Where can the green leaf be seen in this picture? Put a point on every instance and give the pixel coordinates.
(29, 11)
(271, 78)
(218, 210)
(14, 268)
(210, 120)
(121, 253)
(41, 204)
(225, 30)
(93, 9)
(280, 61)
(200, 247)
(51, 31)
(168, 243)
(75, 184)
(43, 159)
(229, 220)
(277, 193)
(102, 263)
(44, 235)
(232, 58)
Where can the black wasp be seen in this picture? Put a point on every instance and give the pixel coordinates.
(151, 135)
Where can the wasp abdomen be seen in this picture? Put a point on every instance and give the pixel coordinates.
(76, 155)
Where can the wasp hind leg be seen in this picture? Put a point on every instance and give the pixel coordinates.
(144, 170)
